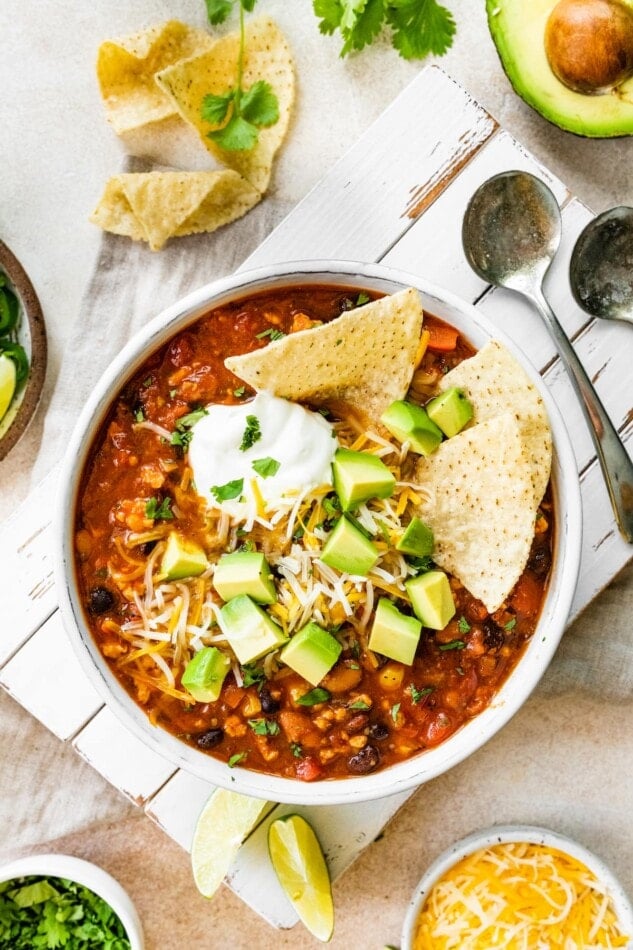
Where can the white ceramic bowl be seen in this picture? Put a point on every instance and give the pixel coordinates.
(91, 876)
(505, 834)
(427, 765)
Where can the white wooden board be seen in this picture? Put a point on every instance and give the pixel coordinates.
(398, 196)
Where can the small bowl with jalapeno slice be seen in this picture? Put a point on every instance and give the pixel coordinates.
(23, 350)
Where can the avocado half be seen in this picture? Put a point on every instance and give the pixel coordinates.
(518, 31)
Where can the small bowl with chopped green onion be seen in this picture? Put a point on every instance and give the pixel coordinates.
(65, 901)
(23, 350)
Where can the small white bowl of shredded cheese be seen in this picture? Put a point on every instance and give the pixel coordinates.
(518, 886)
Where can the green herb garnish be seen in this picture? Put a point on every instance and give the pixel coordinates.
(239, 392)
(418, 694)
(510, 625)
(296, 750)
(159, 510)
(236, 759)
(271, 332)
(462, 625)
(264, 727)
(252, 674)
(359, 704)
(139, 416)
(395, 709)
(315, 696)
(453, 645)
(182, 434)
(418, 27)
(252, 433)
(266, 467)
(241, 113)
(230, 490)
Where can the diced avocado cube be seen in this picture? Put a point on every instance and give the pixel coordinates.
(359, 476)
(249, 629)
(450, 411)
(182, 558)
(432, 599)
(394, 634)
(348, 550)
(411, 423)
(204, 674)
(417, 539)
(245, 572)
(311, 652)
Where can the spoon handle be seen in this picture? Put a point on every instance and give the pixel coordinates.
(616, 465)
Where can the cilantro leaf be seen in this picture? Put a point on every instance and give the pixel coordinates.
(420, 27)
(216, 108)
(266, 467)
(252, 433)
(364, 27)
(182, 433)
(296, 750)
(330, 12)
(453, 645)
(237, 135)
(259, 105)
(394, 712)
(252, 674)
(229, 491)
(510, 625)
(264, 727)
(159, 510)
(359, 704)
(271, 332)
(236, 759)
(462, 625)
(418, 694)
(218, 10)
(315, 696)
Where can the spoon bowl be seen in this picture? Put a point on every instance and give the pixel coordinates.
(601, 269)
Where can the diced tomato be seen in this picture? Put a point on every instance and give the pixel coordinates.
(442, 339)
(439, 727)
(308, 769)
(526, 598)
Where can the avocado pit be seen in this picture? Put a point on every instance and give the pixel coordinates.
(589, 44)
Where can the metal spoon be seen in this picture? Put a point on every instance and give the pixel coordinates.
(601, 270)
(511, 232)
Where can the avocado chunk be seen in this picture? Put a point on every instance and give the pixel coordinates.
(311, 652)
(411, 423)
(394, 634)
(204, 674)
(450, 411)
(359, 476)
(417, 539)
(182, 558)
(432, 599)
(348, 550)
(518, 30)
(250, 631)
(245, 572)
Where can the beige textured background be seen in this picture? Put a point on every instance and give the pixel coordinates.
(565, 760)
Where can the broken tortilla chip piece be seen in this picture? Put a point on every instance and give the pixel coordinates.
(155, 206)
(478, 500)
(126, 69)
(364, 358)
(495, 383)
(267, 57)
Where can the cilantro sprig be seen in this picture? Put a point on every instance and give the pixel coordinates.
(158, 510)
(240, 113)
(418, 27)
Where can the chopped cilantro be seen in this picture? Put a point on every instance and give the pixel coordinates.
(230, 490)
(296, 750)
(298, 533)
(172, 393)
(182, 434)
(462, 625)
(422, 564)
(139, 416)
(395, 709)
(252, 674)
(239, 392)
(266, 467)
(271, 332)
(236, 759)
(453, 645)
(418, 694)
(331, 506)
(510, 625)
(148, 382)
(359, 704)
(353, 666)
(247, 546)
(252, 433)
(159, 510)
(362, 299)
(264, 727)
(315, 696)
(39, 912)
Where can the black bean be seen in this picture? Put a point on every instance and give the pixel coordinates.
(146, 548)
(540, 561)
(366, 760)
(100, 599)
(493, 635)
(378, 731)
(356, 723)
(210, 738)
(269, 705)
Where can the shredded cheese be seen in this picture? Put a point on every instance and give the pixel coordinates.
(518, 896)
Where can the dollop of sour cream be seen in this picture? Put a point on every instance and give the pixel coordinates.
(300, 445)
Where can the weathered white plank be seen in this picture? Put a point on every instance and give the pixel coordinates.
(375, 191)
(432, 248)
(176, 806)
(26, 575)
(46, 678)
(121, 758)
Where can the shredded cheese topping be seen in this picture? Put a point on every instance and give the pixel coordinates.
(518, 896)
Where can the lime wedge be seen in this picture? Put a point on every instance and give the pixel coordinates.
(224, 823)
(7, 383)
(298, 860)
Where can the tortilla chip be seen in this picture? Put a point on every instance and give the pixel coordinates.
(480, 506)
(126, 69)
(364, 358)
(155, 206)
(495, 383)
(267, 57)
